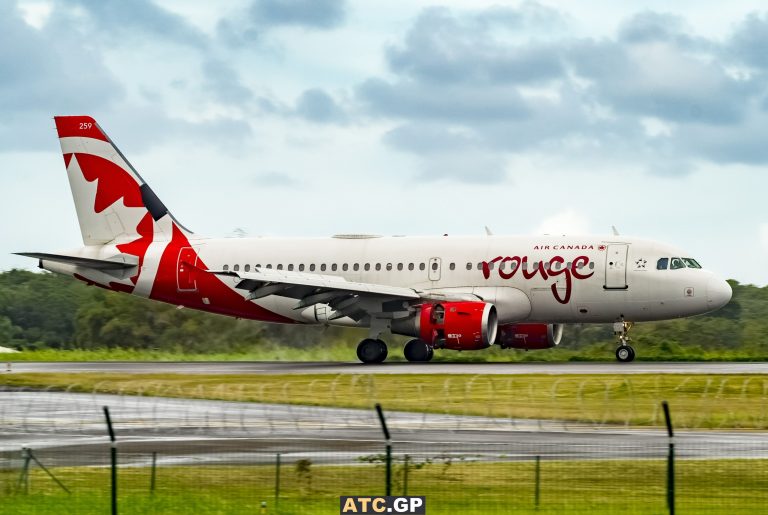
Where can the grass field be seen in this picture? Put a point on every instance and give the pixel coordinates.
(599, 487)
(697, 401)
(345, 351)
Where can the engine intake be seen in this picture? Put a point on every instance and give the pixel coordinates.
(529, 336)
(453, 325)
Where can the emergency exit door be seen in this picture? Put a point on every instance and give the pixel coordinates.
(434, 269)
(616, 267)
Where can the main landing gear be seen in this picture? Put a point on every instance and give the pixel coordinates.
(372, 351)
(418, 350)
(624, 353)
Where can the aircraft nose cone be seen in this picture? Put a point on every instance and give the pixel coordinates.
(719, 293)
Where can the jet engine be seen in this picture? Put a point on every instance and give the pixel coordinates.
(529, 336)
(452, 325)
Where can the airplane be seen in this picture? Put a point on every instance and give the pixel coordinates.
(446, 292)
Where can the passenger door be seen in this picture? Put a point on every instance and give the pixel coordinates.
(616, 266)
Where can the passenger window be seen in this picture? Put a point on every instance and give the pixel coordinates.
(256, 266)
(279, 267)
(334, 267)
(662, 264)
(356, 267)
(469, 266)
(411, 266)
(676, 264)
(378, 267)
(247, 268)
(389, 266)
(236, 268)
(592, 265)
(452, 266)
(345, 267)
(301, 267)
(322, 267)
(312, 267)
(400, 266)
(422, 266)
(479, 266)
(269, 266)
(367, 266)
(290, 267)
(226, 268)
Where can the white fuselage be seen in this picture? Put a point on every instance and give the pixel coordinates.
(618, 279)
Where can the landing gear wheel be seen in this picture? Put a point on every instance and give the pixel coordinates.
(625, 353)
(418, 350)
(371, 351)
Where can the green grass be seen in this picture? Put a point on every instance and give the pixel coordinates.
(600, 487)
(345, 351)
(697, 401)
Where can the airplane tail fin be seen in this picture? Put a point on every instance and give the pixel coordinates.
(113, 202)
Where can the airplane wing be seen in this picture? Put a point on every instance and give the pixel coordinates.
(346, 298)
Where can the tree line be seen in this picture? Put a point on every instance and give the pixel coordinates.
(43, 310)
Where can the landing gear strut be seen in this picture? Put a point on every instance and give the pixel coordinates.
(418, 350)
(372, 351)
(624, 353)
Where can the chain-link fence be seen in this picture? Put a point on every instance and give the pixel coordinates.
(196, 456)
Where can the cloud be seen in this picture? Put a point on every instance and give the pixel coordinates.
(750, 39)
(318, 14)
(315, 105)
(443, 47)
(46, 73)
(224, 82)
(508, 81)
(118, 21)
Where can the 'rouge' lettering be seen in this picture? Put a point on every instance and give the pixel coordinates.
(556, 268)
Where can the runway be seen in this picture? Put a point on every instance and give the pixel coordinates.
(299, 367)
(69, 429)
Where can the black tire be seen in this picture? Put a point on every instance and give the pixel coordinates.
(417, 350)
(625, 354)
(372, 351)
(431, 354)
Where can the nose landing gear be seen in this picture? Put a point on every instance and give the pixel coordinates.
(624, 353)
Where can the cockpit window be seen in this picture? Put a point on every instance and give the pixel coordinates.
(662, 264)
(677, 263)
(691, 263)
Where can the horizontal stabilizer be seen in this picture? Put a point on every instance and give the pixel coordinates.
(120, 262)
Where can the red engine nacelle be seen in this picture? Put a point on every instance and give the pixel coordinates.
(529, 336)
(458, 325)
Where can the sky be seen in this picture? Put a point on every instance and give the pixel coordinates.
(318, 117)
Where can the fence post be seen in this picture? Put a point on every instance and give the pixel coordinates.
(405, 475)
(670, 461)
(389, 449)
(537, 488)
(277, 483)
(113, 454)
(26, 454)
(154, 473)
